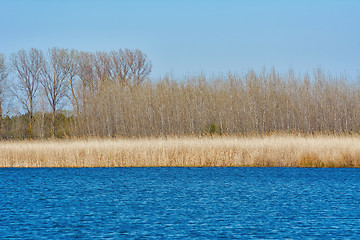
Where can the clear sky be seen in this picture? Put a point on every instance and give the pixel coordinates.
(195, 36)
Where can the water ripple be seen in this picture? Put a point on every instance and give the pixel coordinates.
(179, 203)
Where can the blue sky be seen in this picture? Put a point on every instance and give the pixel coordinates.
(191, 37)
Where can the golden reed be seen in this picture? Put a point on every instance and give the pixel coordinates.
(266, 151)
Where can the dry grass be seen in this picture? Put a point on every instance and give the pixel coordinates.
(279, 151)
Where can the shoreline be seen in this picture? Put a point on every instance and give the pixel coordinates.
(327, 151)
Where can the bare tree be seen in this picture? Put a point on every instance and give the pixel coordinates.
(54, 75)
(3, 76)
(130, 66)
(102, 66)
(27, 66)
(71, 68)
(87, 87)
(120, 67)
(140, 66)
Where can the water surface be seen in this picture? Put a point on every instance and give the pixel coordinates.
(178, 203)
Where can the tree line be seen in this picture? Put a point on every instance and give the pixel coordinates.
(110, 94)
(59, 75)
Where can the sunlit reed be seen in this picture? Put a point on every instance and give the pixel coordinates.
(274, 151)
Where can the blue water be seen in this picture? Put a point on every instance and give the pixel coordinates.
(178, 203)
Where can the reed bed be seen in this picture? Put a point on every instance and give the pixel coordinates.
(268, 151)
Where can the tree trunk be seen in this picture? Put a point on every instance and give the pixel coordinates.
(30, 120)
(53, 124)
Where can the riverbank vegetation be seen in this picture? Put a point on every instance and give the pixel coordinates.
(67, 93)
(102, 109)
(254, 151)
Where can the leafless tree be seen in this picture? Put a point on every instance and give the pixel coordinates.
(140, 66)
(103, 66)
(130, 66)
(54, 75)
(3, 76)
(120, 67)
(71, 68)
(87, 88)
(27, 66)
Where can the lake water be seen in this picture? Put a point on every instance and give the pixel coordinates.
(179, 203)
